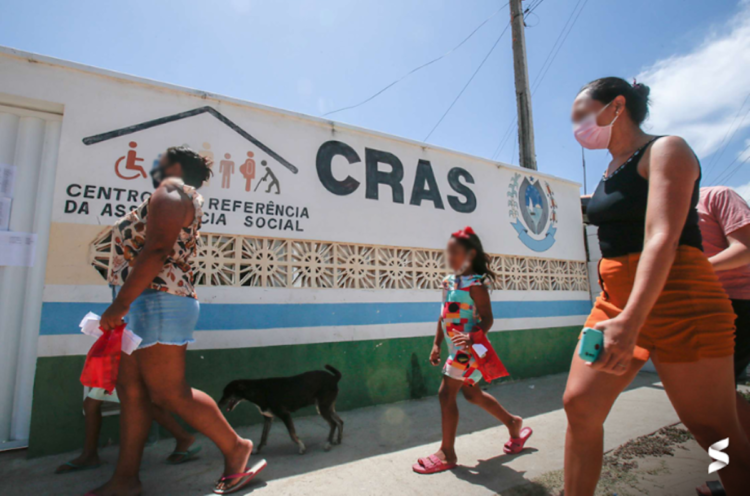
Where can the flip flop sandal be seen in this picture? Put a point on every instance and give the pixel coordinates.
(432, 465)
(77, 468)
(245, 478)
(186, 455)
(515, 444)
(716, 488)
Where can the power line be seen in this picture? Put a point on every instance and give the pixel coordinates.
(506, 135)
(531, 8)
(735, 170)
(556, 47)
(729, 141)
(716, 157)
(467, 83)
(718, 178)
(385, 88)
(723, 177)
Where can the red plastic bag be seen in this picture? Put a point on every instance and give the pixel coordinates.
(489, 365)
(103, 361)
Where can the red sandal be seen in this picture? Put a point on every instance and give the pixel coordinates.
(245, 478)
(432, 465)
(515, 444)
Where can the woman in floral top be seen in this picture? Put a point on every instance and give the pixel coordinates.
(151, 269)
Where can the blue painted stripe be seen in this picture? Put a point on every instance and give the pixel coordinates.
(63, 318)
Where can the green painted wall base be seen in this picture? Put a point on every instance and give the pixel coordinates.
(374, 372)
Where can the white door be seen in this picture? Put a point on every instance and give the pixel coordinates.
(29, 138)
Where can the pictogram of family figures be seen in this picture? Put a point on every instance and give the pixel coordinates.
(226, 169)
(247, 169)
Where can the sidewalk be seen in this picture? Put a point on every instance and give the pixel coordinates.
(380, 445)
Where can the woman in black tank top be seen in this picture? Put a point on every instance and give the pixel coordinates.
(660, 297)
(618, 207)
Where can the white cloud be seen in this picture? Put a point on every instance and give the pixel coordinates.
(735, 166)
(744, 191)
(697, 95)
(744, 155)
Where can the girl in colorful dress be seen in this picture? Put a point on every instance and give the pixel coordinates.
(465, 319)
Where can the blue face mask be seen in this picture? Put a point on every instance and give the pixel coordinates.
(157, 176)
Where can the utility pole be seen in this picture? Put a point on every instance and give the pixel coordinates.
(527, 153)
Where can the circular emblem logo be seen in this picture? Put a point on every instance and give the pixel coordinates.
(533, 211)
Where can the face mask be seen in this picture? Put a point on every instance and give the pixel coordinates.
(591, 135)
(157, 176)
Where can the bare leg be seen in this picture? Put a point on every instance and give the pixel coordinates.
(589, 396)
(135, 422)
(703, 394)
(93, 421)
(487, 402)
(183, 439)
(449, 416)
(163, 370)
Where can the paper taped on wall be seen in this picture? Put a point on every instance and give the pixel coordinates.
(5, 204)
(17, 249)
(7, 180)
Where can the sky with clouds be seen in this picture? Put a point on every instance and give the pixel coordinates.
(316, 56)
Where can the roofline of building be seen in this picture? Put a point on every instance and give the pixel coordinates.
(206, 96)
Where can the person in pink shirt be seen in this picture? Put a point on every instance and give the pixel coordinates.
(725, 226)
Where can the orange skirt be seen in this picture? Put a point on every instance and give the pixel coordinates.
(692, 319)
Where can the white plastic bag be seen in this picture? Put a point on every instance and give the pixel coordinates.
(90, 327)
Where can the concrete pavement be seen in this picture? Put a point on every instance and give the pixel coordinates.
(380, 445)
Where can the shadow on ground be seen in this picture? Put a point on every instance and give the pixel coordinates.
(492, 473)
(368, 432)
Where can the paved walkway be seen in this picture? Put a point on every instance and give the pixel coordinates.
(380, 445)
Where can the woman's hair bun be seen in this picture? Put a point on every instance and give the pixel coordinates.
(636, 95)
(641, 89)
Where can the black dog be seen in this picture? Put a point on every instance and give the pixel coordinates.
(280, 396)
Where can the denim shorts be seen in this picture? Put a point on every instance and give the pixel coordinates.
(163, 318)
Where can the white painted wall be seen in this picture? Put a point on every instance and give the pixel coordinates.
(98, 102)
(594, 255)
(29, 140)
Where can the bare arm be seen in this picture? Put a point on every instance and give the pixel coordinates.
(435, 353)
(438, 334)
(672, 172)
(481, 298)
(737, 254)
(167, 214)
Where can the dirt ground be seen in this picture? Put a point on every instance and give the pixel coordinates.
(668, 462)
